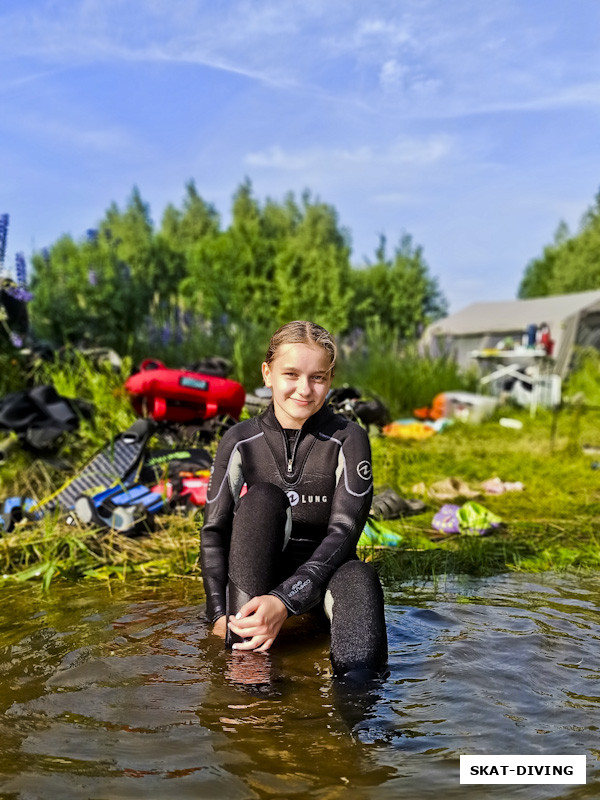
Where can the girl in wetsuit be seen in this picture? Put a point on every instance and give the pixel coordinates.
(288, 499)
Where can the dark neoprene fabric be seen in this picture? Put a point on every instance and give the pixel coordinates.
(258, 557)
(328, 482)
(358, 633)
(258, 540)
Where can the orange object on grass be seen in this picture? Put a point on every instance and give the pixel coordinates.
(409, 430)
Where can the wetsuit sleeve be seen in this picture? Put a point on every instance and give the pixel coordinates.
(215, 537)
(350, 508)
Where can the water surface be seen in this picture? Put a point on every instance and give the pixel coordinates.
(121, 692)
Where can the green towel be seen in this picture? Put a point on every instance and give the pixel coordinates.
(377, 535)
(475, 519)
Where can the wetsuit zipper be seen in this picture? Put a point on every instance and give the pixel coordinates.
(291, 451)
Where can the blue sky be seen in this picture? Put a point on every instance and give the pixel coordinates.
(474, 126)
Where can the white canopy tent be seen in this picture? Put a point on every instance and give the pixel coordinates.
(573, 319)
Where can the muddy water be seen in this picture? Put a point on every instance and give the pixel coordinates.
(122, 693)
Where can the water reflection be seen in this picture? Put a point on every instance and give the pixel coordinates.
(254, 671)
(112, 694)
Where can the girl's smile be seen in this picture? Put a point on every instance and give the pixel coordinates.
(300, 378)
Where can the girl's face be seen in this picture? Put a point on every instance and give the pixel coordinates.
(299, 377)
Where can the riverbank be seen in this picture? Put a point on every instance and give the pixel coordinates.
(552, 524)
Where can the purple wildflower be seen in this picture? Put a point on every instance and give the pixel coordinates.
(92, 277)
(3, 231)
(15, 339)
(21, 269)
(18, 292)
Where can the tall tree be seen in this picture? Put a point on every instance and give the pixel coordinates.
(101, 288)
(197, 219)
(313, 269)
(570, 264)
(397, 292)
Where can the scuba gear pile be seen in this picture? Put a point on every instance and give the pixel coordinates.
(117, 463)
(14, 509)
(181, 395)
(348, 401)
(39, 417)
(123, 510)
(113, 489)
(126, 503)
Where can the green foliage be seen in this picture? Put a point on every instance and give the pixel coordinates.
(191, 289)
(313, 270)
(584, 380)
(398, 294)
(379, 364)
(197, 219)
(552, 524)
(570, 264)
(98, 290)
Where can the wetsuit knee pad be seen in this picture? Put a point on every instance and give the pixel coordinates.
(354, 604)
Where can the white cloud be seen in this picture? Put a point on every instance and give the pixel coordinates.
(392, 74)
(371, 36)
(422, 151)
(276, 158)
(405, 152)
(391, 32)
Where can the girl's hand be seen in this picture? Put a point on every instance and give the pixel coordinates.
(220, 627)
(259, 621)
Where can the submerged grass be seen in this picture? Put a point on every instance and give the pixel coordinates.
(554, 524)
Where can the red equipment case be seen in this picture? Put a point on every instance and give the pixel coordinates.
(180, 395)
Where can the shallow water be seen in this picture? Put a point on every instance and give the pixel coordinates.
(123, 694)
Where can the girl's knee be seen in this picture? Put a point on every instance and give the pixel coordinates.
(263, 510)
(355, 579)
(266, 494)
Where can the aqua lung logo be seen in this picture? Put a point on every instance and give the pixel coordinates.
(296, 498)
(297, 587)
(364, 470)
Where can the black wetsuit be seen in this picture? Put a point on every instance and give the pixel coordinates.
(326, 473)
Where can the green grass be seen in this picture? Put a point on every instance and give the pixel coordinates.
(554, 524)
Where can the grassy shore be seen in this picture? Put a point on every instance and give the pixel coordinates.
(553, 524)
